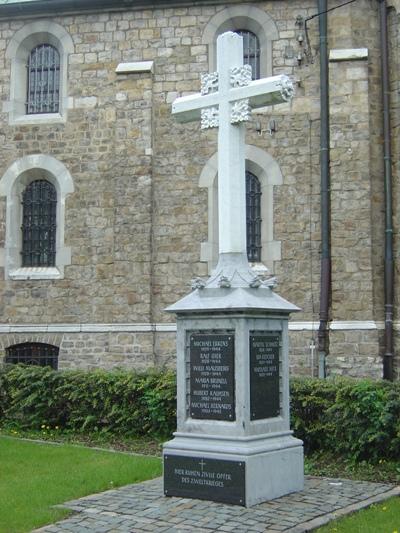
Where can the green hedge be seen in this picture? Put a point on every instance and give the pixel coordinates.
(119, 401)
(359, 419)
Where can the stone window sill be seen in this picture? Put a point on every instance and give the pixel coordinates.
(35, 273)
(45, 118)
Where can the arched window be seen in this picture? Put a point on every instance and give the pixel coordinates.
(260, 224)
(39, 206)
(251, 51)
(39, 55)
(258, 29)
(17, 184)
(43, 80)
(33, 353)
(253, 217)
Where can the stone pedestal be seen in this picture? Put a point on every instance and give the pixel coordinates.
(233, 443)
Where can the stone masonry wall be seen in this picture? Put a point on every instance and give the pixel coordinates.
(92, 350)
(352, 284)
(355, 354)
(356, 197)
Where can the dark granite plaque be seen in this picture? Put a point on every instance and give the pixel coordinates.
(264, 375)
(212, 376)
(205, 479)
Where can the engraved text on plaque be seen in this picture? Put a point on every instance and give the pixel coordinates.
(212, 381)
(264, 375)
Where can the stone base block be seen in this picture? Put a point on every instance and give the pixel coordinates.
(243, 471)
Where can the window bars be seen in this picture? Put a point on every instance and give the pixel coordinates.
(251, 52)
(43, 80)
(39, 203)
(253, 217)
(33, 353)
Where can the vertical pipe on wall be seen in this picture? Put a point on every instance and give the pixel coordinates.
(387, 158)
(323, 332)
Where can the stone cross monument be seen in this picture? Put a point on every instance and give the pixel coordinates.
(233, 442)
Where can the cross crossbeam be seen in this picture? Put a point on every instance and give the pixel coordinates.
(261, 93)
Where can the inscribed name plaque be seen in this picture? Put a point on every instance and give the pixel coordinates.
(205, 479)
(264, 375)
(212, 382)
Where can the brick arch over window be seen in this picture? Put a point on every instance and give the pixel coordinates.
(12, 185)
(266, 169)
(242, 17)
(18, 51)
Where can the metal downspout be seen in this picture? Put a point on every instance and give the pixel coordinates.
(387, 158)
(323, 332)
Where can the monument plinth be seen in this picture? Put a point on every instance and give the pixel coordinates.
(233, 441)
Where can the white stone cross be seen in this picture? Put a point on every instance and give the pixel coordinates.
(225, 101)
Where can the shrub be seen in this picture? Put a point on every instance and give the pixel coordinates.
(360, 419)
(310, 399)
(118, 401)
(367, 420)
(2, 393)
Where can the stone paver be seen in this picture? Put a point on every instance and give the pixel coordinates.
(143, 508)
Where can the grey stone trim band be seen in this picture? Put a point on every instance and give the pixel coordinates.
(171, 327)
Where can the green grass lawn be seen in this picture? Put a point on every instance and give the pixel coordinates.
(35, 476)
(379, 518)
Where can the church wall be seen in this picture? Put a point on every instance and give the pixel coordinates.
(352, 269)
(355, 354)
(137, 217)
(105, 144)
(90, 350)
(106, 350)
(357, 194)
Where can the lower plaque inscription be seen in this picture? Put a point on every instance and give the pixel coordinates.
(205, 479)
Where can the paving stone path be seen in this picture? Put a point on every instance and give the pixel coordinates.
(143, 508)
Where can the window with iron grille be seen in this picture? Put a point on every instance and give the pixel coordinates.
(43, 80)
(33, 353)
(39, 203)
(253, 217)
(251, 52)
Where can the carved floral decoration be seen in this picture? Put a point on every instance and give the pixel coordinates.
(240, 76)
(286, 88)
(209, 118)
(241, 111)
(209, 83)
